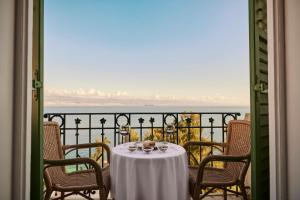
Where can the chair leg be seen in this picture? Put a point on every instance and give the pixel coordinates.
(244, 193)
(225, 194)
(48, 194)
(62, 195)
(102, 194)
(197, 193)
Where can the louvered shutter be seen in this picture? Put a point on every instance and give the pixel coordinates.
(36, 187)
(259, 99)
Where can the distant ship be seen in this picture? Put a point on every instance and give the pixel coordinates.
(148, 105)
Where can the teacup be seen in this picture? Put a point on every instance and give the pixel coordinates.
(132, 147)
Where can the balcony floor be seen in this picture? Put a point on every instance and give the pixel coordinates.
(209, 197)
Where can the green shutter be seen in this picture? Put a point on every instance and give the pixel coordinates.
(259, 99)
(36, 190)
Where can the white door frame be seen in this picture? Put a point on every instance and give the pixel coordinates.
(277, 100)
(22, 80)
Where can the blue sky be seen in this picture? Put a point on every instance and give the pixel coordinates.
(147, 51)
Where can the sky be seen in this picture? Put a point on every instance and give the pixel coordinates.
(138, 52)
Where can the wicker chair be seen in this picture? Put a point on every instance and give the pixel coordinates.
(236, 159)
(79, 182)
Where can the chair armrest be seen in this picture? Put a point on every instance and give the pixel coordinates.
(72, 161)
(201, 143)
(225, 158)
(71, 148)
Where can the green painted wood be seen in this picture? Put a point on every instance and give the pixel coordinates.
(259, 99)
(36, 190)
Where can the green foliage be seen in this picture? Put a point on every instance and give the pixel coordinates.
(184, 132)
(98, 151)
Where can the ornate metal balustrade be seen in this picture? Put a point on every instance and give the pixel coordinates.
(178, 127)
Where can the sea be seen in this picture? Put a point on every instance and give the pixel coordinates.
(146, 108)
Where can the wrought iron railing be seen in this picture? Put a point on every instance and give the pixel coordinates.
(79, 128)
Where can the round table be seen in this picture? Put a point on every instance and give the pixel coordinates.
(149, 176)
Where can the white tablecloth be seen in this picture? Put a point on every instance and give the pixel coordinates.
(149, 176)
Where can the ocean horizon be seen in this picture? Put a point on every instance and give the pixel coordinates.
(145, 108)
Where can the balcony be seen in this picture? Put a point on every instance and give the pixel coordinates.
(209, 197)
(177, 127)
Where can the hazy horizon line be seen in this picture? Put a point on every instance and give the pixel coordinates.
(93, 97)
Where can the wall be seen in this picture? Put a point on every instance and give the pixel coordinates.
(292, 42)
(6, 94)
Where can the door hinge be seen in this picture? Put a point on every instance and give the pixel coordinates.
(36, 84)
(261, 87)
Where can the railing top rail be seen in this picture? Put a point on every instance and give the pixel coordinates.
(150, 113)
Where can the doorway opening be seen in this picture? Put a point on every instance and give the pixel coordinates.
(80, 110)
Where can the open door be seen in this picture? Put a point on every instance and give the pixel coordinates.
(259, 99)
(36, 190)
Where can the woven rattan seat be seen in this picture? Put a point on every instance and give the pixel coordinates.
(236, 160)
(78, 182)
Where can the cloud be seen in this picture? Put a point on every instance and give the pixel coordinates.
(94, 97)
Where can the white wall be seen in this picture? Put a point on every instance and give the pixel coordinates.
(6, 94)
(292, 42)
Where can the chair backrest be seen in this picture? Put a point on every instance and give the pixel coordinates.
(239, 144)
(53, 150)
